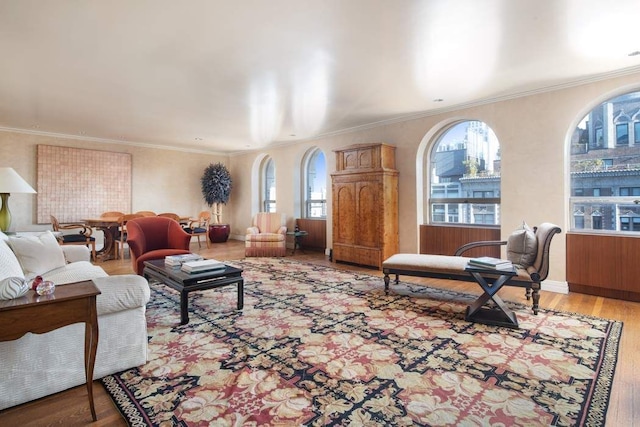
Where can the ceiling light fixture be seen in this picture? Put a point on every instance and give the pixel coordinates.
(438, 100)
(635, 53)
(197, 138)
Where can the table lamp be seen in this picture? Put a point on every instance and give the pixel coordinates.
(10, 182)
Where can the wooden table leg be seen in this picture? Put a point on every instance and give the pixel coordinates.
(184, 307)
(90, 348)
(240, 294)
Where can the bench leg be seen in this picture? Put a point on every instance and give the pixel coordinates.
(386, 283)
(536, 297)
(527, 293)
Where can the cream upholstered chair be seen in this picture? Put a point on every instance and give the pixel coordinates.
(267, 235)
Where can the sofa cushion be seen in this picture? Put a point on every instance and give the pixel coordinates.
(74, 272)
(38, 253)
(9, 265)
(522, 246)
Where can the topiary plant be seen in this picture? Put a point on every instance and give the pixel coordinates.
(216, 188)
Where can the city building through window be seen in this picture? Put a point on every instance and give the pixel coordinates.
(605, 167)
(316, 185)
(464, 176)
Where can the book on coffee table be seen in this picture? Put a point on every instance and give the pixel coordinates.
(178, 260)
(490, 263)
(202, 265)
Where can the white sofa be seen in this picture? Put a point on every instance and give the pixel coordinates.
(38, 365)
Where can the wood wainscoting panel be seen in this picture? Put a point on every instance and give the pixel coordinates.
(604, 265)
(317, 229)
(446, 239)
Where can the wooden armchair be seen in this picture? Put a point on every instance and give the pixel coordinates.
(83, 237)
(173, 216)
(121, 234)
(199, 227)
(267, 235)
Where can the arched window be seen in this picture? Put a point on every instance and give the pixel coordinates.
(315, 196)
(464, 175)
(268, 185)
(605, 167)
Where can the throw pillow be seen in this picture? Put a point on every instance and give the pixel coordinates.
(522, 246)
(12, 288)
(37, 254)
(9, 265)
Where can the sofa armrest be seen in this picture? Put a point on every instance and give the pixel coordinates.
(75, 253)
(121, 292)
(253, 230)
(282, 230)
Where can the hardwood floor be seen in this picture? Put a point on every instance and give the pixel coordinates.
(71, 407)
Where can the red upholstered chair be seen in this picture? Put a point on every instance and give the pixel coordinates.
(155, 237)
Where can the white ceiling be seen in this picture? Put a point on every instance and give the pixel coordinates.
(227, 76)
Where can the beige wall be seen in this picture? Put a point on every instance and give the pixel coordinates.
(533, 132)
(162, 180)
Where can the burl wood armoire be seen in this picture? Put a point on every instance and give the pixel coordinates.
(365, 204)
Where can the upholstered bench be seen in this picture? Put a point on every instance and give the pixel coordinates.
(452, 267)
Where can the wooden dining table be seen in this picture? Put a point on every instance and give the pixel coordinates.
(109, 226)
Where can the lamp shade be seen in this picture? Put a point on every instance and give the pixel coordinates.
(11, 182)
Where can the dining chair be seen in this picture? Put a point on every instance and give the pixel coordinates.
(146, 213)
(110, 214)
(83, 237)
(199, 226)
(121, 235)
(173, 216)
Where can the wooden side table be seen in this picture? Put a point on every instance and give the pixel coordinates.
(72, 303)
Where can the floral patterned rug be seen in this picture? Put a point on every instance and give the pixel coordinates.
(319, 346)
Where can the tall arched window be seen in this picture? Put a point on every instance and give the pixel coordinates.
(605, 167)
(464, 176)
(315, 196)
(268, 185)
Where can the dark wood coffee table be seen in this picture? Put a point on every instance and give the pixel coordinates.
(185, 282)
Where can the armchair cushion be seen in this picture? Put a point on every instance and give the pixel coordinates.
(522, 246)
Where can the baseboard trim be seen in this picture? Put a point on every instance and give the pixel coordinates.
(555, 286)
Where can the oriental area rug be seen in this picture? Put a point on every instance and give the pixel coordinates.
(319, 346)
